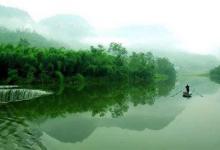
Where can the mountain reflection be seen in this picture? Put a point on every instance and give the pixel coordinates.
(17, 119)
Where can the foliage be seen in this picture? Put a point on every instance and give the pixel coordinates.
(59, 77)
(141, 67)
(46, 65)
(165, 67)
(215, 74)
(12, 75)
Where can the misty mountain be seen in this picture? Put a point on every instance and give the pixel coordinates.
(13, 37)
(66, 28)
(189, 63)
(73, 30)
(157, 118)
(13, 18)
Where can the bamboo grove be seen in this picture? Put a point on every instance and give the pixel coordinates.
(24, 64)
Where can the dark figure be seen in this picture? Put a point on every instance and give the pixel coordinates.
(187, 88)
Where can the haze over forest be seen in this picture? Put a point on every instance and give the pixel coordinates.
(138, 27)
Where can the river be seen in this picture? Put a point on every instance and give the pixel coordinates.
(117, 117)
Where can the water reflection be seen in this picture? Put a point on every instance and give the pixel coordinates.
(99, 101)
(73, 115)
(8, 86)
(12, 95)
(164, 87)
(16, 132)
(67, 116)
(202, 85)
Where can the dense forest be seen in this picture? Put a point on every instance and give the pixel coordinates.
(215, 74)
(24, 64)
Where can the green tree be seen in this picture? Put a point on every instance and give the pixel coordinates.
(215, 74)
(165, 67)
(23, 43)
(12, 76)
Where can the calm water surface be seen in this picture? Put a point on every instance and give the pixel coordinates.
(117, 117)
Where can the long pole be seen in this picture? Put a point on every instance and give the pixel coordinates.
(197, 92)
(177, 93)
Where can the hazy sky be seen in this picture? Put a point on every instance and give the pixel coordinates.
(196, 23)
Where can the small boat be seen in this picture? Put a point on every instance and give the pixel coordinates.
(186, 94)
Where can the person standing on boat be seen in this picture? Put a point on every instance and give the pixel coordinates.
(187, 88)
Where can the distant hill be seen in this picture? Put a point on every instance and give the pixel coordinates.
(16, 24)
(13, 18)
(189, 63)
(12, 37)
(66, 28)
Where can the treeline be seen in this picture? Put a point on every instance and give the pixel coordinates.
(23, 64)
(215, 74)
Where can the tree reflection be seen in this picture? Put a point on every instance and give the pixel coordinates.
(98, 100)
(164, 87)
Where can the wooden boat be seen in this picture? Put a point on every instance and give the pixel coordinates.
(186, 94)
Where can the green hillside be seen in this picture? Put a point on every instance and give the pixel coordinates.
(35, 39)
